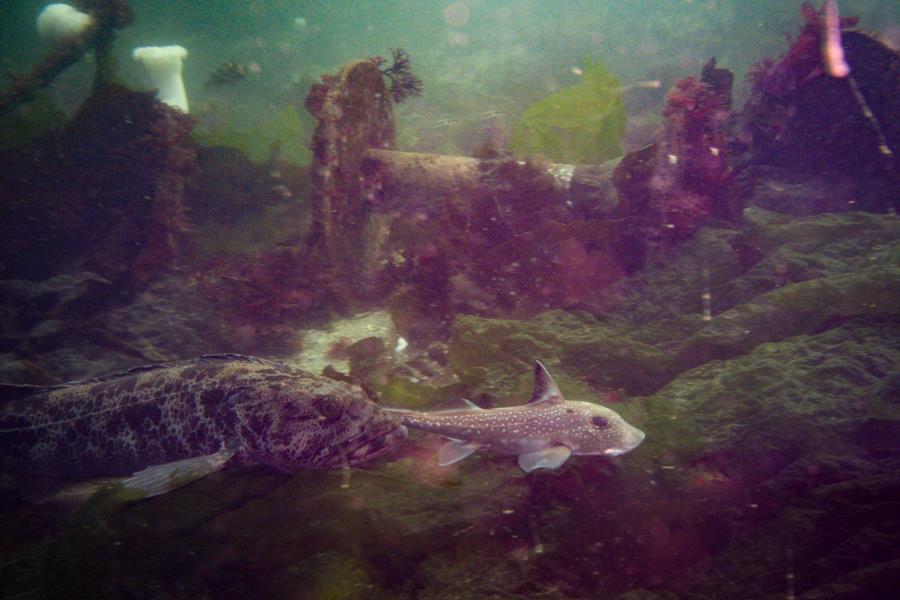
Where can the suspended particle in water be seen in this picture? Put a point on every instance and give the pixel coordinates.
(457, 39)
(456, 14)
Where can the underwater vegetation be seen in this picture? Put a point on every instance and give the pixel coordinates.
(404, 83)
(281, 137)
(692, 170)
(582, 124)
(265, 297)
(515, 250)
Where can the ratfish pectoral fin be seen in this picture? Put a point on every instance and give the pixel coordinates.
(160, 479)
(454, 451)
(548, 458)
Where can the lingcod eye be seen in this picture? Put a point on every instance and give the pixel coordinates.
(329, 407)
(599, 422)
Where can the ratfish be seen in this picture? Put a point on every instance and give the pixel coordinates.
(168, 424)
(543, 433)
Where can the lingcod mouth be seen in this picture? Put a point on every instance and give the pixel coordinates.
(368, 444)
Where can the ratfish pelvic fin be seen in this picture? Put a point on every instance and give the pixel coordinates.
(454, 451)
(546, 458)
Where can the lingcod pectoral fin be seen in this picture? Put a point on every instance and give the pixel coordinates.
(160, 479)
(454, 451)
(547, 458)
(80, 492)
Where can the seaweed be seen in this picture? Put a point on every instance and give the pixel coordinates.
(692, 169)
(284, 134)
(404, 83)
(582, 124)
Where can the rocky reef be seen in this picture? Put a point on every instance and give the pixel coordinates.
(770, 459)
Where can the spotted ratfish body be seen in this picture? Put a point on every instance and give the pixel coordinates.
(194, 415)
(543, 433)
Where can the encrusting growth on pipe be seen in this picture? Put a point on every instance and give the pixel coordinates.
(72, 42)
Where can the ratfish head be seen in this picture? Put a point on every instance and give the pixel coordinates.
(584, 427)
(596, 429)
(312, 423)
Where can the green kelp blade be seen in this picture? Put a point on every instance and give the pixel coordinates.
(287, 130)
(582, 124)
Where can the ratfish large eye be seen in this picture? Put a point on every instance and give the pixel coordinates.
(328, 407)
(599, 422)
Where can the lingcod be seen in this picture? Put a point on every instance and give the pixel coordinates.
(160, 426)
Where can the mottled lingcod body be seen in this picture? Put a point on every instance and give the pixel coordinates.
(186, 419)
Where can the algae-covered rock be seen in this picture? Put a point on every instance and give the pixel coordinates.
(647, 595)
(768, 464)
(872, 581)
(833, 549)
(809, 392)
(497, 355)
(801, 308)
(737, 266)
(582, 124)
(493, 354)
(324, 347)
(771, 449)
(326, 576)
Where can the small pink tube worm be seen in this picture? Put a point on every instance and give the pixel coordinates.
(832, 50)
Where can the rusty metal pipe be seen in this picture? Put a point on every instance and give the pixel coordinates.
(439, 175)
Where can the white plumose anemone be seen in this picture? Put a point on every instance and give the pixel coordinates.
(61, 23)
(163, 63)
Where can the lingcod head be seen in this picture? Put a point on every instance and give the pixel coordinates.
(313, 424)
